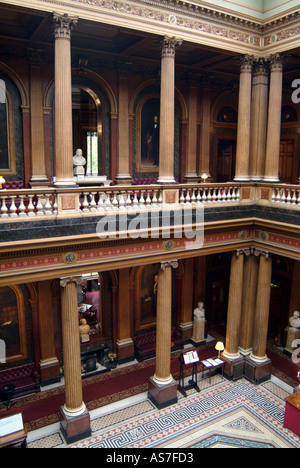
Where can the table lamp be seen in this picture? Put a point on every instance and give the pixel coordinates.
(219, 347)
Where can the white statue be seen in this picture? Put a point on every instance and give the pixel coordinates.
(199, 325)
(295, 320)
(293, 332)
(199, 312)
(79, 162)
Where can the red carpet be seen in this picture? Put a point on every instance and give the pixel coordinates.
(43, 408)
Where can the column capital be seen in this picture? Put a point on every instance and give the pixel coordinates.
(261, 66)
(171, 263)
(71, 279)
(169, 45)
(258, 253)
(63, 25)
(246, 63)
(276, 62)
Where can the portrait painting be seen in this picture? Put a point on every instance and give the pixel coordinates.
(148, 136)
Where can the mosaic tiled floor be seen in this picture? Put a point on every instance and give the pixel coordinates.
(224, 414)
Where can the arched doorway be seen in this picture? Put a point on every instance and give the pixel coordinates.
(87, 128)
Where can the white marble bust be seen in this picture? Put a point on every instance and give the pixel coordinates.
(295, 320)
(199, 312)
(78, 162)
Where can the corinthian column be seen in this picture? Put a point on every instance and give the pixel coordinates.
(162, 387)
(76, 424)
(260, 89)
(262, 310)
(63, 101)
(244, 121)
(274, 119)
(167, 110)
(234, 307)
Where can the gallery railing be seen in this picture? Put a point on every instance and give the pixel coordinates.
(35, 204)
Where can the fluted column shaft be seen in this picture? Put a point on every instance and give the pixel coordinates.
(244, 121)
(164, 324)
(74, 405)
(38, 169)
(167, 110)
(123, 175)
(234, 307)
(259, 117)
(274, 120)
(63, 101)
(261, 322)
(251, 265)
(191, 163)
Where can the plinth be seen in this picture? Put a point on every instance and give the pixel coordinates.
(75, 428)
(162, 395)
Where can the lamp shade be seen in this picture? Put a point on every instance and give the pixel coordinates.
(219, 346)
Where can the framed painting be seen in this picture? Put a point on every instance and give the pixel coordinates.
(147, 150)
(146, 296)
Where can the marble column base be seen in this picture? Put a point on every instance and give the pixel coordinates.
(75, 428)
(162, 395)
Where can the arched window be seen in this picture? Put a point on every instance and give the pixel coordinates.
(87, 128)
(7, 142)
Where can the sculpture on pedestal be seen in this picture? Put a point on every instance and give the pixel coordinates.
(293, 331)
(199, 324)
(84, 329)
(79, 162)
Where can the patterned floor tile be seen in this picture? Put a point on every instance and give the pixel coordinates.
(223, 414)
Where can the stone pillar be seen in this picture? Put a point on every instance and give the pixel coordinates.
(125, 345)
(191, 164)
(204, 167)
(38, 163)
(123, 176)
(63, 101)
(244, 121)
(231, 352)
(76, 419)
(259, 115)
(167, 110)
(162, 387)
(274, 119)
(49, 364)
(186, 306)
(251, 264)
(261, 322)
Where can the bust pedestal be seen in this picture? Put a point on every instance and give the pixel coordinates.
(198, 337)
(293, 334)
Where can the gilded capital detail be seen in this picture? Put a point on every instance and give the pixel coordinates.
(169, 45)
(276, 62)
(63, 25)
(246, 63)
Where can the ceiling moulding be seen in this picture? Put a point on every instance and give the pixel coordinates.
(186, 20)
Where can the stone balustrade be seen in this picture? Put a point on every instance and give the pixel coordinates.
(35, 204)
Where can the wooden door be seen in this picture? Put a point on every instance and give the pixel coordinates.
(226, 160)
(287, 162)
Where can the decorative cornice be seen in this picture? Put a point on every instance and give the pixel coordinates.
(190, 21)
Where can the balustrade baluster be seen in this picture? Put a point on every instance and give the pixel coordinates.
(4, 209)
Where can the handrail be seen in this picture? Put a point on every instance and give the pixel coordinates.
(30, 204)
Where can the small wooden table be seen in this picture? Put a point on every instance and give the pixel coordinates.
(292, 413)
(12, 431)
(212, 365)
